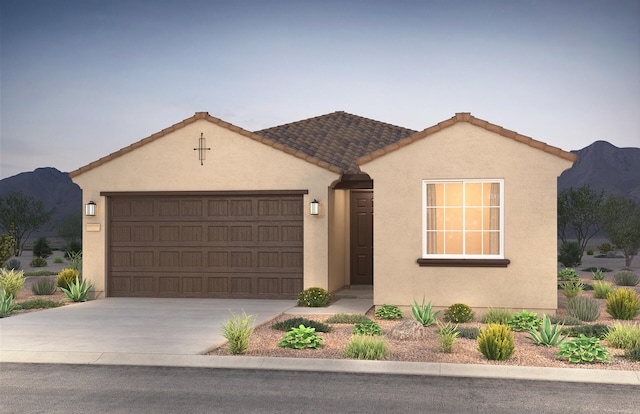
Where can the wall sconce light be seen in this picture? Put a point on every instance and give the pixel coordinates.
(314, 207)
(90, 209)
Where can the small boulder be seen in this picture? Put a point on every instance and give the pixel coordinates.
(409, 329)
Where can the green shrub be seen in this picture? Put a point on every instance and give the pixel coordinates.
(570, 254)
(496, 342)
(7, 244)
(78, 291)
(625, 278)
(597, 330)
(314, 297)
(447, 336)
(423, 313)
(347, 318)
(295, 322)
(458, 313)
(6, 304)
(497, 315)
(583, 349)
(584, 308)
(601, 289)
(524, 321)
(568, 274)
(363, 347)
(75, 260)
(237, 331)
(11, 281)
(573, 288)
(623, 304)
(42, 272)
(597, 270)
(547, 334)
(624, 336)
(43, 286)
(41, 248)
(605, 248)
(633, 354)
(367, 328)
(38, 304)
(597, 274)
(73, 249)
(301, 338)
(589, 251)
(38, 262)
(66, 277)
(567, 320)
(58, 260)
(389, 312)
(468, 332)
(14, 264)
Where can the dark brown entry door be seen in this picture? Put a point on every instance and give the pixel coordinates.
(361, 237)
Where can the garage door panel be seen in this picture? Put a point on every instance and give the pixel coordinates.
(209, 246)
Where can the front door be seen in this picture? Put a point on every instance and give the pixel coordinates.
(361, 237)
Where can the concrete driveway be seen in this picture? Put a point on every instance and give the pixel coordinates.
(131, 325)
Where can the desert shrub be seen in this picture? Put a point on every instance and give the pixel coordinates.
(584, 308)
(300, 338)
(75, 260)
(58, 260)
(7, 244)
(497, 315)
(633, 354)
(597, 274)
(447, 336)
(78, 291)
(11, 281)
(605, 248)
(625, 278)
(6, 304)
(468, 332)
(547, 334)
(573, 288)
(66, 277)
(362, 347)
(496, 342)
(524, 321)
(423, 313)
(624, 336)
(596, 269)
(459, 313)
(43, 286)
(367, 328)
(314, 297)
(567, 320)
(601, 289)
(583, 349)
(570, 254)
(38, 262)
(597, 330)
(623, 304)
(346, 318)
(237, 331)
(41, 272)
(73, 248)
(389, 312)
(568, 274)
(589, 251)
(38, 304)
(14, 264)
(41, 248)
(295, 322)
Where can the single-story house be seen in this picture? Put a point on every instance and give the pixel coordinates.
(465, 211)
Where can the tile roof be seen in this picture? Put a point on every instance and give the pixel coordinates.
(337, 138)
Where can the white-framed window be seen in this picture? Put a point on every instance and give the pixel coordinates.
(463, 219)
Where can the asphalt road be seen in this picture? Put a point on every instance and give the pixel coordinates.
(47, 388)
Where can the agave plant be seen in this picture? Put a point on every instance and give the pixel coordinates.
(423, 313)
(6, 304)
(547, 334)
(78, 291)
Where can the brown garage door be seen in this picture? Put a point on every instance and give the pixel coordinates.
(205, 245)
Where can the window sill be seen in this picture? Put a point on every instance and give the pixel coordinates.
(464, 262)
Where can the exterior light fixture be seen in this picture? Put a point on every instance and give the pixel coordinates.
(90, 209)
(314, 207)
(202, 155)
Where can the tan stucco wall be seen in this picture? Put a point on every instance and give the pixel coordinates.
(235, 162)
(464, 151)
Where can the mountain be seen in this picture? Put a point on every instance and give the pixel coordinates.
(54, 188)
(605, 167)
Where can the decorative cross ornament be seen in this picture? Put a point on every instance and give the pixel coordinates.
(202, 155)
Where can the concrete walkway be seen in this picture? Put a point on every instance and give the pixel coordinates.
(175, 332)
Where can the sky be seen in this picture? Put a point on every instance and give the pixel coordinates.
(82, 79)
